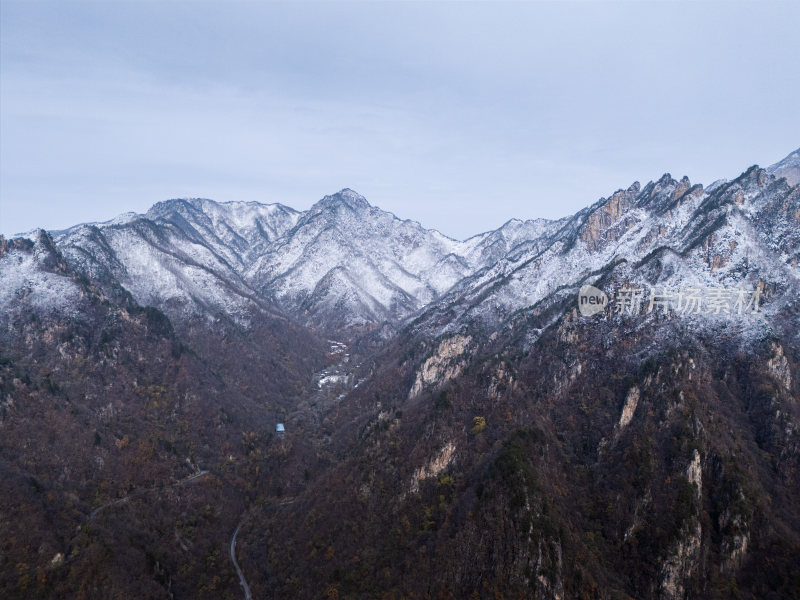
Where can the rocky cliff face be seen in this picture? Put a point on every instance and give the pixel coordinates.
(669, 235)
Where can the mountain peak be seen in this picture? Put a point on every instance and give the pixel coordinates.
(666, 179)
(345, 197)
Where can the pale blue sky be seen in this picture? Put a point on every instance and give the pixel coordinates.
(458, 115)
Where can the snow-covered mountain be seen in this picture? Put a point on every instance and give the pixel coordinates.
(348, 260)
(345, 263)
(670, 234)
(185, 257)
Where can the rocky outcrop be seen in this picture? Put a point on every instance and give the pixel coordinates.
(631, 402)
(433, 467)
(778, 367)
(682, 564)
(684, 561)
(694, 473)
(445, 364)
(598, 227)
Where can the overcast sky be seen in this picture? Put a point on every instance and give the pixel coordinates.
(458, 115)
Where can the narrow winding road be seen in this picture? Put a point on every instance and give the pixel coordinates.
(242, 581)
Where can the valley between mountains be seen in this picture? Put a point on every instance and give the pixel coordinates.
(455, 426)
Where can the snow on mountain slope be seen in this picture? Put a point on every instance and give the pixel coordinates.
(160, 266)
(789, 168)
(743, 234)
(240, 231)
(347, 260)
(30, 277)
(184, 256)
(345, 263)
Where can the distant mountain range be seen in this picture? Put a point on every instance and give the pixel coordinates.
(345, 264)
(341, 264)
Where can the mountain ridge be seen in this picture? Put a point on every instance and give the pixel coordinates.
(205, 257)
